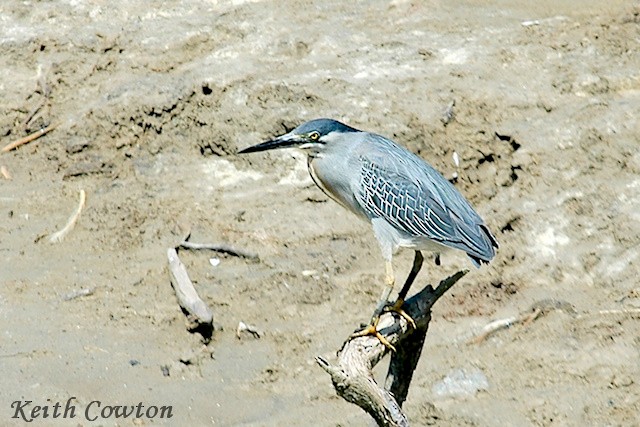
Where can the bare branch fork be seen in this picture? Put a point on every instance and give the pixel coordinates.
(352, 377)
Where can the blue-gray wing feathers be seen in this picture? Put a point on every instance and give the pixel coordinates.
(400, 187)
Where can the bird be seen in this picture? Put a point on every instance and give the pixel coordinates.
(408, 203)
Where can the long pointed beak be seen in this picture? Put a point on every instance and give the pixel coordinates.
(283, 141)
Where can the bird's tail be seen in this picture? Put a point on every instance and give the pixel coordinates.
(485, 251)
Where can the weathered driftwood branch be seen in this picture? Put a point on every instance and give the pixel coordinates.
(199, 315)
(352, 376)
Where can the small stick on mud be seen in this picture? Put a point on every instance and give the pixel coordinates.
(5, 173)
(29, 138)
(352, 376)
(219, 248)
(33, 113)
(78, 293)
(199, 315)
(500, 324)
(494, 326)
(532, 316)
(58, 236)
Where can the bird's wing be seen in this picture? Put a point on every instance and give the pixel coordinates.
(398, 186)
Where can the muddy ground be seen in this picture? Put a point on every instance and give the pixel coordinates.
(152, 103)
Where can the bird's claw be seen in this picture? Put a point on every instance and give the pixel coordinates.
(372, 329)
(396, 307)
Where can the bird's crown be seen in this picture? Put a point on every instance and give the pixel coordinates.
(323, 127)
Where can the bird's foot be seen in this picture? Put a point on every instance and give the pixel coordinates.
(372, 329)
(396, 307)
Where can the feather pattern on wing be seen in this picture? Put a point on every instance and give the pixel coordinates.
(400, 187)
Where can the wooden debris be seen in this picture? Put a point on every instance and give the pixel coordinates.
(198, 313)
(58, 236)
(531, 317)
(494, 326)
(352, 376)
(5, 173)
(243, 327)
(228, 249)
(536, 310)
(78, 293)
(32, 115)
(29, 138)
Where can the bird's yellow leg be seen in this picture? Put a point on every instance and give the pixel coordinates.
(371, 329)
(397, 306)
(389, 283)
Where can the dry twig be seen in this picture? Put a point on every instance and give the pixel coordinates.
(29, 138)
(58, 236)
(5, 172)
(33, 114)
(497, 325)
(198, 313)
(536, 310)
(219, 248)
(78, 293)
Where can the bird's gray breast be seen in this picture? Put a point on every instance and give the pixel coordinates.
(334, 175)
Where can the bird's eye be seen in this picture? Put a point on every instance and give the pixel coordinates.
(314, 135)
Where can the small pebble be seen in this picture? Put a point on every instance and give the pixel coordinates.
(165, 370)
